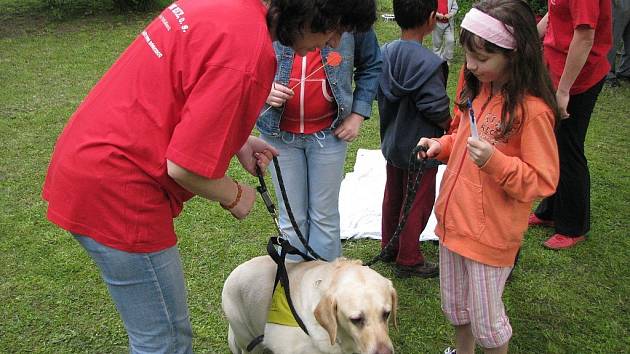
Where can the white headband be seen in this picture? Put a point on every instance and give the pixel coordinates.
(489, 28)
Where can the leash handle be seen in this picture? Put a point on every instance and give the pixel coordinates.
(264, 192)
(415, 161)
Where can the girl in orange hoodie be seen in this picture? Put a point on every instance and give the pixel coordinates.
(501, 157)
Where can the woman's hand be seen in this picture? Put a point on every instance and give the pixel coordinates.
(562, 98)
(349, 128)
(256, 152)
(479, 151)
(278, 95)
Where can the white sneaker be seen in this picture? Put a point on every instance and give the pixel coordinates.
(450, 350)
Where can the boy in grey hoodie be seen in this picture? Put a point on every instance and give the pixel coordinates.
(412, 103)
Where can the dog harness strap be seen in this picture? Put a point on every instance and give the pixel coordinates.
(281, 274)
(255, 342)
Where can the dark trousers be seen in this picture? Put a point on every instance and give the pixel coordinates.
(408, 247)
(570, 206)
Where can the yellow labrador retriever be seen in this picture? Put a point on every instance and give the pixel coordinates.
(344, 305)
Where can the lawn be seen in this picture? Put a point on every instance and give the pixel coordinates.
(53, 301)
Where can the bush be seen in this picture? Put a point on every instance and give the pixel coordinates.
(539, 6)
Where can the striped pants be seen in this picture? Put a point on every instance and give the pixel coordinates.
(471, 294)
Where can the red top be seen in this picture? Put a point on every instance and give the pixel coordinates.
(313, 107)
(442, 9)
(188, 89)
(564, 17)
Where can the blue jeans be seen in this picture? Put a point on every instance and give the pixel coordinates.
(150, 294)
(312, 170)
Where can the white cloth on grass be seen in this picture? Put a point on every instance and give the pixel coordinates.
(361, 198)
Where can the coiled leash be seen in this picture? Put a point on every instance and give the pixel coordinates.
(416, 171)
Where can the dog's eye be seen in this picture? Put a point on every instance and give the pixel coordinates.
(358, 321)
(385, 315)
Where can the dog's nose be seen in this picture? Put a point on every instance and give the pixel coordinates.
(383, 348)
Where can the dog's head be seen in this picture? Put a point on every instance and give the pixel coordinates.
(356, 308)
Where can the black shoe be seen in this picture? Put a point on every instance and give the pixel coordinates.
(613, 82)
(422, 270)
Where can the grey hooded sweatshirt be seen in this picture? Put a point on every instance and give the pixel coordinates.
(412, 99)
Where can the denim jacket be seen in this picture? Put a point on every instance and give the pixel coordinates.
(359, 51)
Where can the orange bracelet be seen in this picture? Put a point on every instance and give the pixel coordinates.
(239, 192)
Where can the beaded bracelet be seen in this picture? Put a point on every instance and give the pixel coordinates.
(239, 192)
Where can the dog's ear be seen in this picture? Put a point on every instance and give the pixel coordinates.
(326, 316)
(394, 307)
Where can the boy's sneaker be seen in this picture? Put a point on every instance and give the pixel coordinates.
(560, 242)
(535, 221)
(422, 270)
(450, 350)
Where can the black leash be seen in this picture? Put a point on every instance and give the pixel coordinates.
(416, 165)
(416, 171)
(262, 189)
(281, 241)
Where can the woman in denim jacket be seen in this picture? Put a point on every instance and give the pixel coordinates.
(310, 122)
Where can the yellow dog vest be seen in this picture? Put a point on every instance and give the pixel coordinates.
(279, 311)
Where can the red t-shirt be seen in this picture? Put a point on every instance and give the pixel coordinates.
(564, 17)
(188, 89)
(442, 9)
(312, 107)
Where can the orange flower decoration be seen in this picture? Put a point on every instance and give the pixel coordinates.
(333, 59)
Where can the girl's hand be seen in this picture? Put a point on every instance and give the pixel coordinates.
(433, 148)
(479, 151)
(278, 95)
(348, 130)
(245, 204)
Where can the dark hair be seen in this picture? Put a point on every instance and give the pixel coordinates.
(290, 17)
(413, 13)
(526, 72)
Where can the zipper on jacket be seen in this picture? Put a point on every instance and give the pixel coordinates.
(461, 162)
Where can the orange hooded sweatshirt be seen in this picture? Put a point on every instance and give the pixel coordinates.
(482, 211)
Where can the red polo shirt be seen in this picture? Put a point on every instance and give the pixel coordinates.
(188, 89)
(564, 17)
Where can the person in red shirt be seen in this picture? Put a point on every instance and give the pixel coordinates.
(315, 109)
(161, 126)
(443, 35)
(577, 39)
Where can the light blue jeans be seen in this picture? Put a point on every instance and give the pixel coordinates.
(150, 294)
(312, 171)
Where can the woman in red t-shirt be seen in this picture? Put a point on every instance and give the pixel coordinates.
(162, 126)
(577, 37)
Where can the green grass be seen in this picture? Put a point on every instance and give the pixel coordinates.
(53, 301)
